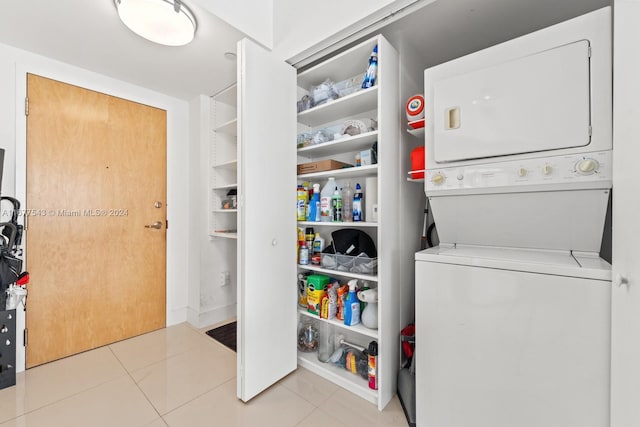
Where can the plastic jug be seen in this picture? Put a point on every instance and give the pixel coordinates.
(325, 199)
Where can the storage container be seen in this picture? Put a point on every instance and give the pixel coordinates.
(417, 163)
(352, 264)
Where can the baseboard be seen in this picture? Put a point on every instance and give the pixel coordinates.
(211, 317)
(176, 316)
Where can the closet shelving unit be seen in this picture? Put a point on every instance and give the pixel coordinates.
(224, 163)
(379, 103)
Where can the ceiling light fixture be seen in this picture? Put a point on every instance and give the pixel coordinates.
(167, 22)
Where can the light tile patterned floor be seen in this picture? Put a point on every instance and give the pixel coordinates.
(176, 377)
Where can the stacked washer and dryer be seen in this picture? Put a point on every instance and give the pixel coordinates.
(513, 307)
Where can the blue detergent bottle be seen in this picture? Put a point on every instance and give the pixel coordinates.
(314, 205)
(356, 206)
(370, 75)
(352, 305)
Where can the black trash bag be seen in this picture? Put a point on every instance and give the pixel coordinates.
(12, 234)
(349, 241)
(10, 265)
(10, 269)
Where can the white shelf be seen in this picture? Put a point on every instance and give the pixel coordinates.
(328, 272)
(228, 96)
(225, 211)
(352, 224)
(415, 172)
(342, 145)
(225, 234)
(229, 128)
(358, 102)
(354, 172)
(231, 164)
(359, 328)
(340, 376)
(416, 132)
(225, 187)
(340, 67)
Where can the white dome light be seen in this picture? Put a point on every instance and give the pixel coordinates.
(167, 22)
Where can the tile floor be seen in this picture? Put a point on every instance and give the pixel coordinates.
(175, 377)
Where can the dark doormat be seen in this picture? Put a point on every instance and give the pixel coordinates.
(225, 334)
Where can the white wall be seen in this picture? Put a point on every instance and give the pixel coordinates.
(252, 17)
(299, 25)
(625, 302)
(14, 64)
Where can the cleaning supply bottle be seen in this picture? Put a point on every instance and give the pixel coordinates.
(347, 203)
(357, 204)
(352, 305)
(370, 75)
(301, 205)
(318, 246)
(314, 204)
(336, 206)
(309, 235)
(325, 199)
(304, 254)
(372, 356)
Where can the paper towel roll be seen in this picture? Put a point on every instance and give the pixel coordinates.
(371, 199)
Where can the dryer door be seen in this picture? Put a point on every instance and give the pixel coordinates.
(534, 103)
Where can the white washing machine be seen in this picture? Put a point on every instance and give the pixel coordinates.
(513, 307)
(511, 337)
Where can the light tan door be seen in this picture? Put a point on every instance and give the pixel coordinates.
(96, 179)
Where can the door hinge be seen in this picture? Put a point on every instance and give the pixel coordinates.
(590, 131)
(25, 337)
(166, 226)
(26, 106)
(25, 227)
(589, 51)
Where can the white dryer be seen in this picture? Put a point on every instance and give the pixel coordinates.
(513, 307)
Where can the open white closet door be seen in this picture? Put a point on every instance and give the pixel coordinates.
(266, 220)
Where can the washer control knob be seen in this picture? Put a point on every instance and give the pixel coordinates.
(546, 170)
(522, 172)
(438, 179)
(587, 166)
(460, 177)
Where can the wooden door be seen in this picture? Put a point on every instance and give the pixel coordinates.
(96, 178)
(625, 298)
(266, 229)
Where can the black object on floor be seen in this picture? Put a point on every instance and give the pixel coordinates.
(225, 334)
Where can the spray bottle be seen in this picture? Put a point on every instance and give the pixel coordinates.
(314, 204)
(352, 305)
(370, 76)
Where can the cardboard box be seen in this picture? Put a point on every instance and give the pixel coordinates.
(321, 166)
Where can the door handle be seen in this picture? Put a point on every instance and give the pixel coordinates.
(157, 225)
(452, 118)
(621, 280)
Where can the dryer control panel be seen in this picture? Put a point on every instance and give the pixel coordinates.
(551, 173)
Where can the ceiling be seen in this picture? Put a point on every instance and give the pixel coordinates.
(89, 35)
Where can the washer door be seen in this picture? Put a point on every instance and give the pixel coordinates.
(499, 348)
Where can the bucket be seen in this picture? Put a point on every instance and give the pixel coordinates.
(417, 163)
